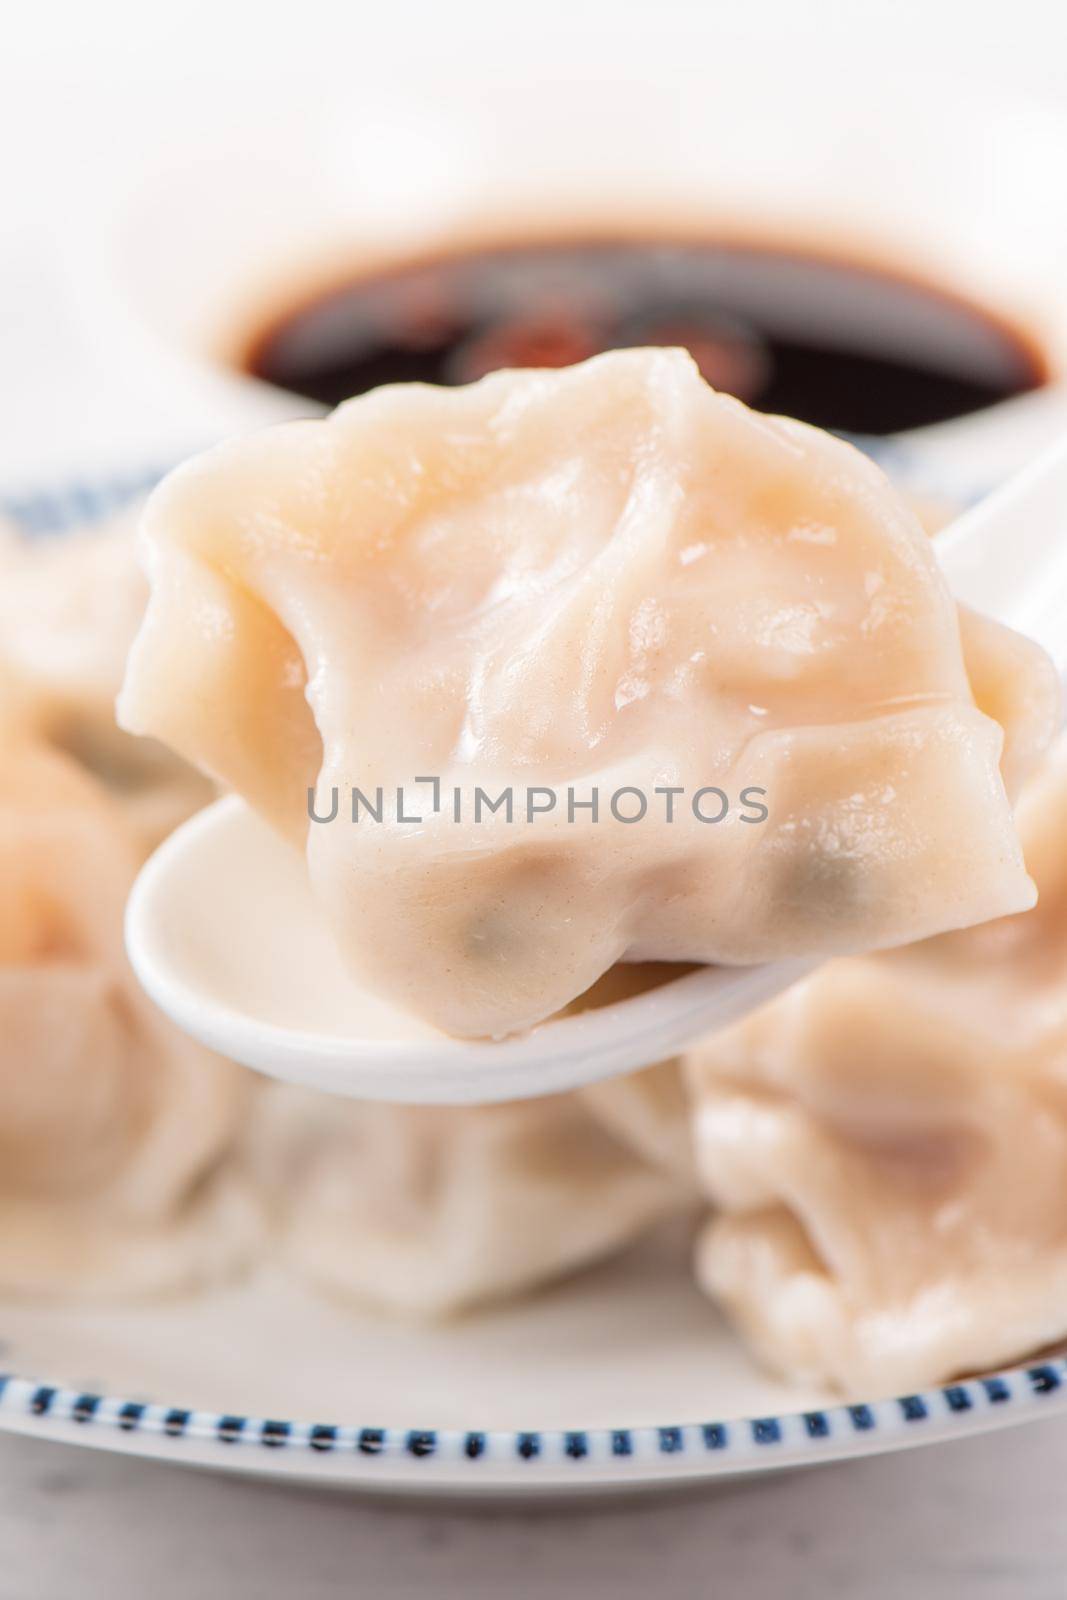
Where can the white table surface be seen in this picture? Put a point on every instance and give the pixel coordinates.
(978, 1520)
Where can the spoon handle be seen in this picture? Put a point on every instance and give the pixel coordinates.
(1007, 556)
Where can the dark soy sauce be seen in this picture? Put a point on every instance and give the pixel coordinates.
(843, 346)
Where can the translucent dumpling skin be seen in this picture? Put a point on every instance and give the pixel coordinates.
(608, 577)
(887, 1145)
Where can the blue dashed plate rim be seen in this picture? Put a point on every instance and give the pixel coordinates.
(559, 1457)
(477, 1457)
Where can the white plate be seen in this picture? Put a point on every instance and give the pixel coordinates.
(623, 1377)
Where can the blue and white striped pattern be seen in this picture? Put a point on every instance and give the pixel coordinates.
(734, 1443)
(76, 503)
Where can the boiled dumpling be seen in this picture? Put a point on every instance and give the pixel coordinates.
(69, 609)
(114, 1129)
(610, 579)
(427, 1211)
(888, 1147)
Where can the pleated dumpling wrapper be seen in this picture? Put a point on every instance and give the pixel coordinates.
(602, 579)
(888, 1147)
(114, 1128)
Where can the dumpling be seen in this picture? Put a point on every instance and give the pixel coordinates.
(603, 580)
(428, 1211)
(69, 609)
(114, 1129)
(888, 1147)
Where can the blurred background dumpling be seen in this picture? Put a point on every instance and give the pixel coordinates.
(427, 1211)
(887, 1144)
(115, 1130)
(69, 609)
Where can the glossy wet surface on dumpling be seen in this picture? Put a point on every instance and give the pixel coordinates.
(607, 577)
(888, 1144)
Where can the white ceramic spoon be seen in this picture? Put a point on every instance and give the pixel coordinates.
(224, 936)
